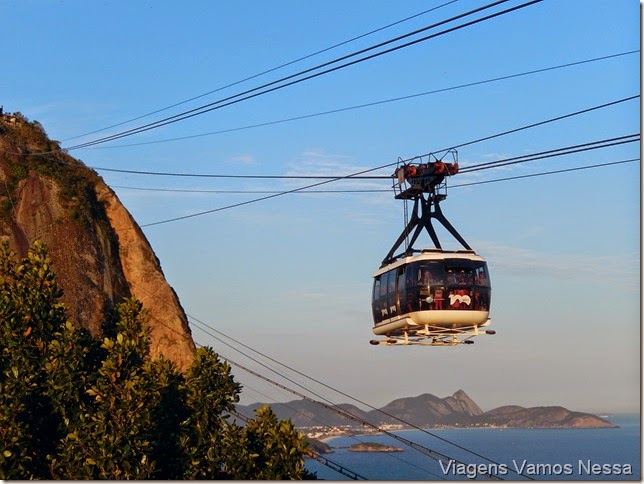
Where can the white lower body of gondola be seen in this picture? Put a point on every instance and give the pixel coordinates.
(435, 327)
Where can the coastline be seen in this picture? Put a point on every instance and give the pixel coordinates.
(329, 436)
(536, 452)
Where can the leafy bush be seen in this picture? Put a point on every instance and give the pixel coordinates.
(72, 407)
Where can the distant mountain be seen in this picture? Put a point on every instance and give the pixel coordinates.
(541, 417)
(426, 411)
(308, 414)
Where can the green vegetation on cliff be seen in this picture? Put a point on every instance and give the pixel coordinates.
(27, 148)
(72, 407)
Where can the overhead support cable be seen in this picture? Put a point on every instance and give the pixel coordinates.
(620, 140)
(632, 138)
(249, 94)
(362, 172)
(530, 126)
(486, 138)
(374, 103)
(564, 170)
(268, 71)
(265, 177)
(246, 192)
(344, 413)
(400, 420)
(379, 190)
(482, 166)
(339, 468)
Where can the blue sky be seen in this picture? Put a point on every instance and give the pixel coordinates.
(291, 276)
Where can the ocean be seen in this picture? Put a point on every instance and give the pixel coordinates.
(539, 454)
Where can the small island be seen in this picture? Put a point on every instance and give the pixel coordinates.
(373, 447)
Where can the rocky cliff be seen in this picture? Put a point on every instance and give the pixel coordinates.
(99, 253)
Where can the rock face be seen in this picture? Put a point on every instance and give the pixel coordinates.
(141, 269)
(99, 253)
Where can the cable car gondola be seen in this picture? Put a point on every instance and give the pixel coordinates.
(431, 296)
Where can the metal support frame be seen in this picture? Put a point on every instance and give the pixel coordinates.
(429, 209)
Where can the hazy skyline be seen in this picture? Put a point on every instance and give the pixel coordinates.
(291, 276)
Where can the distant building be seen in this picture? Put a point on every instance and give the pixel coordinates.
(8, 117)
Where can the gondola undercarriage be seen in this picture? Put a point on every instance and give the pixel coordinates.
(432, 335)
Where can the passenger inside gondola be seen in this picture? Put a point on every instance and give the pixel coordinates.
(425, 295)
(407, 293)
(438, 298)
(480, 278)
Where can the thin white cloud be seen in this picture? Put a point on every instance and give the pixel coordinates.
(243, 159)
(622, 269)
(320, 163)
